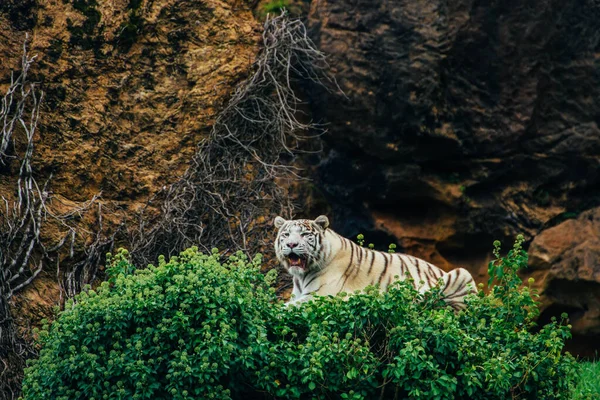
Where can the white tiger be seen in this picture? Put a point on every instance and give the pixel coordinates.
(325, 263)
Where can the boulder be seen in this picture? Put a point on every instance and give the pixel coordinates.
(565, 262)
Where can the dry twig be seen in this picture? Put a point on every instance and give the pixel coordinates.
(23, 251)
(236, 172)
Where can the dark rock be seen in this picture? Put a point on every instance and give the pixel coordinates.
(22, 14)
(462, 122)
(565, 261)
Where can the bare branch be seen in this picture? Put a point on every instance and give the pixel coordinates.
(236, 173)
(24, 253)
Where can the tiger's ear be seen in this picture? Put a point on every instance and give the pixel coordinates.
(322, 221)
(278, 222)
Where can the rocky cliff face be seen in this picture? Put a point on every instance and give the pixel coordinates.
(130, 87)
(461, 123)
(464, 122)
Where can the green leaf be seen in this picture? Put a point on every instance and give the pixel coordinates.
(203, 322)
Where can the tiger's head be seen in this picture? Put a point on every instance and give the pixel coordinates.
(300, 243)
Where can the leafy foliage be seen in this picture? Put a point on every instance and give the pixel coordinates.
(275, 6)
(588, 386)
(178, 330)
(199, 327)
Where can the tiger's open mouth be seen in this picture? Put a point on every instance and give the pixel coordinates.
(296, 261)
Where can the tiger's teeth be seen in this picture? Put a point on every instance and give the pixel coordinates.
(296, 261)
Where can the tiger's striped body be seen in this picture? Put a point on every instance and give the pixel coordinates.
(325, 263)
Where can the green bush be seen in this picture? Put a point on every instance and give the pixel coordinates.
(275, 6)
(182, 329)
(588, 385)
(196, 327)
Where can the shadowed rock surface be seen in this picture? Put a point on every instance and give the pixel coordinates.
(464, 122)
(565, 262)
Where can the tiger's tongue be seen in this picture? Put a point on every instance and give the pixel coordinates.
(296, 262)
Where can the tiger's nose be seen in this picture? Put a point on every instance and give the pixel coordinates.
(291, 245)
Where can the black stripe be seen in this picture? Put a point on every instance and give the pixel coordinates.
(361, 250)
(426, 275)
(315, 276)
(384, 268)
(325, 254)
(431, 274)
(359, 263)
(372, 261)
(346, 273)
(402, 267)
(468, 283)
(458, 285)
(416, 261)
(447, 283)
(457, 294)
(351, 260)
(318, 245)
